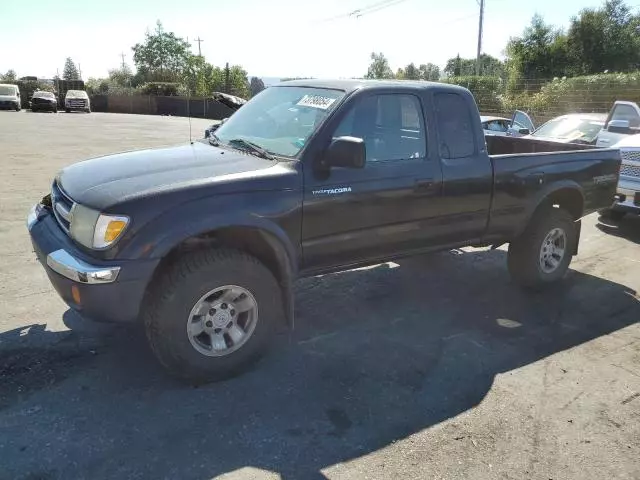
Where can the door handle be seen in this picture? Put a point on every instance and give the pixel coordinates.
(424, 185)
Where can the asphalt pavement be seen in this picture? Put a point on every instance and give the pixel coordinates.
(435, 367)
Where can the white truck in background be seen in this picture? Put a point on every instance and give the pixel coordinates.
(622, 130)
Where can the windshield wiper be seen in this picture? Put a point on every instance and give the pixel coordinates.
(251, 147)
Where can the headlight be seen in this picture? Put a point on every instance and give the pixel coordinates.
(108, 229)
(95, 230)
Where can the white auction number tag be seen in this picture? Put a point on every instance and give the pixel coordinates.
(316, 101)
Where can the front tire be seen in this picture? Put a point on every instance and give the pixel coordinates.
(212, 314)
(542, 254)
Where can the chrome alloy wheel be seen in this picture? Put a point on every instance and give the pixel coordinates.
(553, 250)
(222, 321)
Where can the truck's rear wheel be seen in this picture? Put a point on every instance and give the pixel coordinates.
(542, 254)
(212, 314)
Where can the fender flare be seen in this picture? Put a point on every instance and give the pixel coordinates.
(543, 195)
(274, 236)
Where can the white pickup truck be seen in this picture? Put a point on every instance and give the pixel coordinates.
(622, 130)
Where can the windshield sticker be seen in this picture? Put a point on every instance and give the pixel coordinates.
(316, 101)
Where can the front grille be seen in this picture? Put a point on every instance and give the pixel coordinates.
(77, 103)
(630, 170)
(41, 101)
(62, 206)
(630, 163)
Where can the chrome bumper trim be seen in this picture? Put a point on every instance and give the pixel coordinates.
(68, 266)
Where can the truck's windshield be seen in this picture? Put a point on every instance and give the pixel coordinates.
(280, 119)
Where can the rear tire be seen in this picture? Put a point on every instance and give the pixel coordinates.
(542, 254)
(174, 306)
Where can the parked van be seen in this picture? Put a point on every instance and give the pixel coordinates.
(77, 100)
(9, 97)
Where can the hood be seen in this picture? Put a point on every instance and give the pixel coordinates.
(630, 141)
(105, 181)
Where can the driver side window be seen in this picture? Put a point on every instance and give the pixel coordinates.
(391, 125)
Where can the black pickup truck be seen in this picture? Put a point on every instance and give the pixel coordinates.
(202, 242)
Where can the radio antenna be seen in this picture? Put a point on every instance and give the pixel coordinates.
(189, 112)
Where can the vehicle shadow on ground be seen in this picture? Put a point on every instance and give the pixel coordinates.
(628, 227)
(377, 354)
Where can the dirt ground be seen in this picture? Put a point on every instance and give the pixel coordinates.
(433, 368)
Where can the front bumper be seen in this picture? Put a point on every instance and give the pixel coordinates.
(102, 291)
(627, 195)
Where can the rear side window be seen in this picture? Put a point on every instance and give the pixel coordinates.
(455, 127)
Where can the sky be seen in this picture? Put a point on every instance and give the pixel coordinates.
(275, 38)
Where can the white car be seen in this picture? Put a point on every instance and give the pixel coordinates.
(9, 97)
(517, 126)
(627, 199)
(584, 128)
(77, 100)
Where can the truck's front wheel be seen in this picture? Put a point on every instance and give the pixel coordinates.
(212, 314)
(542, 254)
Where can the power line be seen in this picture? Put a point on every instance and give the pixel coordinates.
(359, 12)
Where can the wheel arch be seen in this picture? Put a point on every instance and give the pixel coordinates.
(266, 243)
(565, 195)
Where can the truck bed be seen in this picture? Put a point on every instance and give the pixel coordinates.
(525, 170)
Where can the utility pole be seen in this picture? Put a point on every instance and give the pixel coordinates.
(480, 37)
(227, 72)
(199, 40)
(79, 72)
(122, 55)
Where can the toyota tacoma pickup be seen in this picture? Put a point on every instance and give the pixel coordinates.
(202, 242)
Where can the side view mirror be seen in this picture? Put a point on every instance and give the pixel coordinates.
(619, 126)
(210, 130)
(346, 152)
(524, 131)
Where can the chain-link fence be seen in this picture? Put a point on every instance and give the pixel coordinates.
(199, 107)
(545, 99)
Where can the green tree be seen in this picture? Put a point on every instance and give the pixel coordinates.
(121, 77)
(489, 66)
(411, 72)
(429, 72)
(70, 71)
(256, 85)
(540, 53)
(97, 86)
(9, 77)
(162, 56)
(238, 82)
(604, 39)
(379, 67)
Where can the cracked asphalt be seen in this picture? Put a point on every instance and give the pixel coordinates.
(434, 367)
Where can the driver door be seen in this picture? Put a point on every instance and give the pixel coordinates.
(353, 216)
